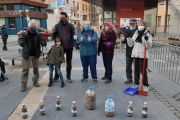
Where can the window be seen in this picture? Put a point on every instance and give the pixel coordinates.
(34, 9)
(158, 20)
(10, 7)
(86, 8)
(73, 4)
(168, 20)
(77, 5)
(67, 1)
(83, 7)
(1, 7)
(12, 23)
(43, 0)
(149, 20)
(85, 17)
(49, 11)
(38, 21)
(76, 15)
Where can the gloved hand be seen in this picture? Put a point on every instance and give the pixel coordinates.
(146, 37)
(98, 54)
(108, 44)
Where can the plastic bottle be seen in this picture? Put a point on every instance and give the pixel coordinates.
(24, 111)
(90, 102)
(145, 110)
(74, 109)
(109, 107)
(58, 104)
(130, 109)
(42, 108)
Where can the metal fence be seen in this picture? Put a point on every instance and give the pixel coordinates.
(165, 58)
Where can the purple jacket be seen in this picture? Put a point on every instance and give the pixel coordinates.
(104, 38)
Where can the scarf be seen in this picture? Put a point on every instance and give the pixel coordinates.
(139, 37)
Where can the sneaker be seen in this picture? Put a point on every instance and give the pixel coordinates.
(146, 89)
(62, 85)
(135, 86)
(108, 81)
(50, 83)
(128, 81)
(23, 88)
(95, 81)
(69, 80)
(55, 80)
(83, 80)
(36, 84)
(104, 78)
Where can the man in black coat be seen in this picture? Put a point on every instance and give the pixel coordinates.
(4, 36)
(65, 31)
(31, 42)
(3, 71)
(129, 33)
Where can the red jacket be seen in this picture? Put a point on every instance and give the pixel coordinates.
(105, 38)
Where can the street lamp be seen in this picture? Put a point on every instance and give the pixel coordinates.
(20, 11)
(27, 11)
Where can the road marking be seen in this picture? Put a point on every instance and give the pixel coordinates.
(63, 69)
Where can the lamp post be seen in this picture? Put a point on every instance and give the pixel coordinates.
(27, 11)
(20, 11)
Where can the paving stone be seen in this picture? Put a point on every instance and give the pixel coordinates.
(172, 108)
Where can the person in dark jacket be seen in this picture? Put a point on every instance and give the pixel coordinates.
(106, 46)
(65, 31)
(31, 42)
(122, 30)
(129, 33)
(56, 58)
(4, 36)
(3, 71)
(88, 42)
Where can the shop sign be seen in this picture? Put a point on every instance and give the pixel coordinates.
(9, 13)
(129, 9)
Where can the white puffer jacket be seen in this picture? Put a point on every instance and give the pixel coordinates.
(138, 49)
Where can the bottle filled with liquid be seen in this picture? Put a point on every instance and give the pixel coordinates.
(42, 108)
(24, 111)
(130, 109)
(109, 107)
(74, 109)
(90, 102)
(145, 110)
(58, 103)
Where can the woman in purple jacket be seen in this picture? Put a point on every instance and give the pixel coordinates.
(106, 46)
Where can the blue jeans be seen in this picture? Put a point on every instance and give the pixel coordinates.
(86, 61)
(58, 69)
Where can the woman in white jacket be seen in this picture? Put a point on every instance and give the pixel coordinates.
(141, 39)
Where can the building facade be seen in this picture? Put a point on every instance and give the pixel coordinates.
(16, 13)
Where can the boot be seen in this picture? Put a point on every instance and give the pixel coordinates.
(50, 83)
(108, 81)
(3, 76)
(36, 84)
(62, 84)
(104, 78)
(128, 81)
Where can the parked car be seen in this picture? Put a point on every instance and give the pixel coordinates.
(45, 33)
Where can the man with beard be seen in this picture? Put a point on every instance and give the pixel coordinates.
(65, 31)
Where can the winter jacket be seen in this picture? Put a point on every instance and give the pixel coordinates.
(88, 48)
(25, 42)
(122, 31)
(56, 55)
(66, 33)
(139, 48)
(128, 33)
(104, 39)
(4, 34)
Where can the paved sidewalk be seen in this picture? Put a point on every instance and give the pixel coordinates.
(10, 97)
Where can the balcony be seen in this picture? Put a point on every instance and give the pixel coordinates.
(75, 9)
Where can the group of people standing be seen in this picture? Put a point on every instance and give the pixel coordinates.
(136, 38)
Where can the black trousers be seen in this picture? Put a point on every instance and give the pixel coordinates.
(5, 43)
(2, 66)
(139, 69)
(107, 60)
(69, 54)
(129, 62)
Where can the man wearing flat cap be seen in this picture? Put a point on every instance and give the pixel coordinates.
(129, 33)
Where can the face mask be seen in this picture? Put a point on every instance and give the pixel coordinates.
(63, 21)
(87, 28)
(32, 30)
(58, 43)
(106, 28)
(132, 28)
(140, 28)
